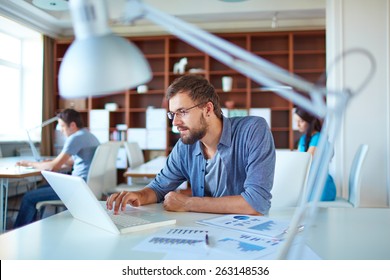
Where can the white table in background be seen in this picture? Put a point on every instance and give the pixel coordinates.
(8, 170)
(149, 169)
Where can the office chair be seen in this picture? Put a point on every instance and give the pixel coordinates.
(135, 158)
(291, 173)
(354, 182)
(102, 174)
(134, 154)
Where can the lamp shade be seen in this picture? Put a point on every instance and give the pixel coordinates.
(101, 65)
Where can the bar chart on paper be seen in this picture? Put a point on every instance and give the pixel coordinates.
(246, 243)
(178, 237)
(264, 227)
(246, 246)
(174, 241)
(250, 224)
(233, 244)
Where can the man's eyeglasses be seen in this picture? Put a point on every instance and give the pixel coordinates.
(182, 112)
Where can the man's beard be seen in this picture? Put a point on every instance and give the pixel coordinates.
(195, 134)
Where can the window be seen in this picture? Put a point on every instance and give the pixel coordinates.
(21, 66)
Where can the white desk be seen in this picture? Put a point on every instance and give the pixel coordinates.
(350, 233)
(149, 169)
(8, 170)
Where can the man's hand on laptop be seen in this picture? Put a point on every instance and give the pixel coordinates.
(24, 163)
(119, 200)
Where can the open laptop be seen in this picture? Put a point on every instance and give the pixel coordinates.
(36, 154)
(83, 205)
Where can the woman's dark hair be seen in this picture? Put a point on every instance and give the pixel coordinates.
(314, 124)
(70, 115)
(199, 90)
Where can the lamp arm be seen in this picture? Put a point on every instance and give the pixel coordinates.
(45, 123)
(306, 212)
(246, 63)
(49, 121)
(276, 78)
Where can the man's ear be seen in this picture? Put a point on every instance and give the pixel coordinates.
(209, 108)
(73, 126)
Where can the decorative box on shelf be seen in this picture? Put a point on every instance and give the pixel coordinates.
(75, 103)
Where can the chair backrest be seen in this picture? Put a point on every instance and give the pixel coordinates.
(291, 173)
(102, 173)
(134, 154)
(354, 181)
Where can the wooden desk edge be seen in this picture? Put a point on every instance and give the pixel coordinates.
(21, 175)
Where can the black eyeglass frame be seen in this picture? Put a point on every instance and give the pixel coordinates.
(182, 112)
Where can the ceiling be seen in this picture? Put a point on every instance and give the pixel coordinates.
(212, 15)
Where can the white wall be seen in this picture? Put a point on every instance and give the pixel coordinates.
(362, 24)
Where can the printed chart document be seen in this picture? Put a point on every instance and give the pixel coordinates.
(179, 243)
(190, 243)
(244, 245)
(258, 225)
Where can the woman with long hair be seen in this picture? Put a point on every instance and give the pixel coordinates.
(310, 127)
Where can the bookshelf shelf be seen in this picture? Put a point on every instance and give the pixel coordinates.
(299, 52)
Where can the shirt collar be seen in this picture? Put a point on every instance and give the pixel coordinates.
(225, 139)
(226, 136)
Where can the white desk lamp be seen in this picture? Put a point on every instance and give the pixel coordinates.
(99, 63)
(34, 151)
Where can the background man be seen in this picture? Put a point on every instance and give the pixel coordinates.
(77, 153)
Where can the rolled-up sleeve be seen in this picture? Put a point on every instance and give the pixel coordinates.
(260, 168)
(170, 177)
(248, 152)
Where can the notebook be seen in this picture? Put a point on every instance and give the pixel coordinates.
(84, 206)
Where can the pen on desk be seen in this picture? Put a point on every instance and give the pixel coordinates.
(206, 239)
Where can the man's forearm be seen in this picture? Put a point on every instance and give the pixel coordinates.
(221, 205)
(147, 196)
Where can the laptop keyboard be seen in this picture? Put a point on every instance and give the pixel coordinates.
(124, 220)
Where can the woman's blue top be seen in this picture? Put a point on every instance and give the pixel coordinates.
(329, 192)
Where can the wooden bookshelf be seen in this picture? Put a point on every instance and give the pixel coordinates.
(299, 52)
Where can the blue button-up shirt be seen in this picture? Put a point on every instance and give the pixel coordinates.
(247, 151)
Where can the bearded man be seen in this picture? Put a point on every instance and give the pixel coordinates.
(228, 162)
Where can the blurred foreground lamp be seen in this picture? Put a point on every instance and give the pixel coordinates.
(99, 63)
